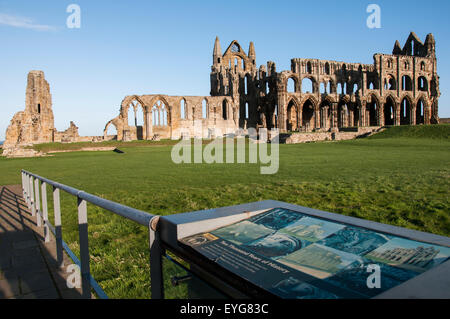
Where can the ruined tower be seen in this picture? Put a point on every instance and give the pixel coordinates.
(36, 123)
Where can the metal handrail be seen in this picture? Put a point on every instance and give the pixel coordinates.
(31, 193)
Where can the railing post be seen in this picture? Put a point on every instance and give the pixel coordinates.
(32, 204)
(45, 211)
(37, 203)
(23, 185)
(84, 248)
(156, 252)
(58, 230)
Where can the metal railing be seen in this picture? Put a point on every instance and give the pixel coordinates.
(32, 193)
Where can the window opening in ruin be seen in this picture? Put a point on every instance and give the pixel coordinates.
(389, 112)
(204, 109)
(246, 110)
(183, 109)
(155, 115)
(307, 86)
(405, 111)
(291, 85)
(39, 108)
(406, 83)
(246, 85)
(420, 112)
(308, 68)
(423, 84)
(163, 115)
(224, 110)
(327, 68)
(422, 66)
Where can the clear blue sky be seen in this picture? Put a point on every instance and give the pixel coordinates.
(147, 47)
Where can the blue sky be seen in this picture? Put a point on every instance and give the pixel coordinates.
(148, 47)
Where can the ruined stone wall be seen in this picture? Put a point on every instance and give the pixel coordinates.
(147, 117)
(35, 124)
(401, 88)
(398, 89)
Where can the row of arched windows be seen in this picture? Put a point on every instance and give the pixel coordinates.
(205, 111)
(406, 83)
(406, 65)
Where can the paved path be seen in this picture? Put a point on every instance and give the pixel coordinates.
(28, 267)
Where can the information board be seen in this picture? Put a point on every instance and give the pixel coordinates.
(293, 255)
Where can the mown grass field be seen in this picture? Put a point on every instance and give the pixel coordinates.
(399, 177)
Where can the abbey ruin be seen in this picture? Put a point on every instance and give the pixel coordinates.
(401, 88)
(321, 97)
(36, 123)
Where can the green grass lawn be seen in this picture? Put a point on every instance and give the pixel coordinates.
(398, 177)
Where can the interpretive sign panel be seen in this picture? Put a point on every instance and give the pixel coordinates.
(294, 255)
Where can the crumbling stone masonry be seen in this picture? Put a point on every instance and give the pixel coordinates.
(401, 88)
(35, 124)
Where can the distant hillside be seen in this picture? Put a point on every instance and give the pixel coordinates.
(441, 131)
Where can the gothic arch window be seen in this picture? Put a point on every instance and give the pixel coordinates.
(246, 110)
(234, 48)
(224, 110)
(420, 111)
(308, 68)
(155, 115)
(405, 112)
(389, 64)
(390, 83)
(422, 84)
(406, 83)
(406, 65)
(246, 85)
(135, 114)
(327, 68)
(163, 116)
(159, 114)
(307, 86)
(290, 86)
(422, 66)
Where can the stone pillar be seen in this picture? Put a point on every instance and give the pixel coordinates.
(148, 125)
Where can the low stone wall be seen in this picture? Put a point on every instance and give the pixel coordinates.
(298, 138)
(14, 152)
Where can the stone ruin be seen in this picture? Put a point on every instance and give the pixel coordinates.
(318, 96)
(401, 88)
(35, 125)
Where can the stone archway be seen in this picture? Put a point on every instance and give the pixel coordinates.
(420, 112)
(389, 111)
(292, 120)
(308, 116)
(372, 111)
(326, 108)
(406, 111)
